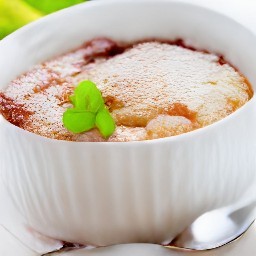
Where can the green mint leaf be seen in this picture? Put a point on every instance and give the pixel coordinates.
(78, 121)
(89, 111)
(105, 123)
(87, 97)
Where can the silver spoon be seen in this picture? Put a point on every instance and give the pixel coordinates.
(216, 228)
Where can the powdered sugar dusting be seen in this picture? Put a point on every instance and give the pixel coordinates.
(153, 90)
(44, 91)
(152, 76)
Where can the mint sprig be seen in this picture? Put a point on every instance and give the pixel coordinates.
(89, 111)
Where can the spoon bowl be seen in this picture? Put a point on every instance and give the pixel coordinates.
(216, 228)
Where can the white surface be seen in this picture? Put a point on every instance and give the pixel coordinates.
(10, 246)
(246, 246)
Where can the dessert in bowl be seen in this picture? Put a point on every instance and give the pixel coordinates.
(101, 193)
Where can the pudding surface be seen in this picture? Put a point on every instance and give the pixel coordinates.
(152, 89)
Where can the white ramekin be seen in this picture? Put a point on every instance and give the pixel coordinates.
(108, 193)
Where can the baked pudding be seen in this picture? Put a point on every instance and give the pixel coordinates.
(152, 89)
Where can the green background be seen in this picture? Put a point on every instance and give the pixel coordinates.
(17, 13)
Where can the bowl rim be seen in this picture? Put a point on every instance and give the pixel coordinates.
(92, 4)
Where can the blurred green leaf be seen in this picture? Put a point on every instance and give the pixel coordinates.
(48, 6)
(17, 13)
(14, 14)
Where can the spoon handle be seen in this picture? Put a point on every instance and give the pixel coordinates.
(248, 199)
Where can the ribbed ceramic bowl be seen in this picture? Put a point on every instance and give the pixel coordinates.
(149, 191)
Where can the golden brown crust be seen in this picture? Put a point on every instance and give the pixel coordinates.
(13, 112)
